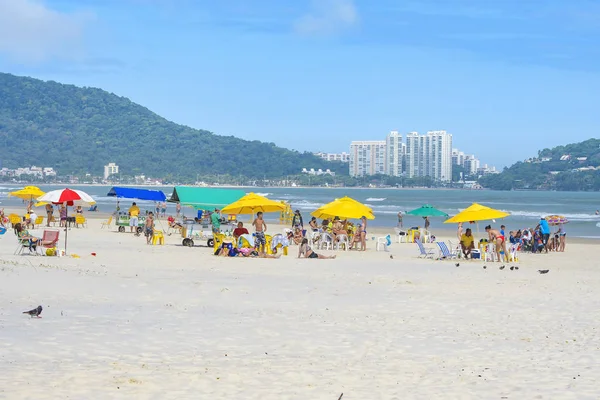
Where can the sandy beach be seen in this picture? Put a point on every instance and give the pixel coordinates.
(166, 322)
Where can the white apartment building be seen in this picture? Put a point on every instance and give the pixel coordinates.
(110, 169)
(429, 155)
(343, 157)
(471, 165)
(368, 157)
(395, 154)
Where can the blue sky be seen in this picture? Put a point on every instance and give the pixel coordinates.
(505, 77)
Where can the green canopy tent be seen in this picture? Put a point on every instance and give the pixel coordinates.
(202, 198)
(427, 211)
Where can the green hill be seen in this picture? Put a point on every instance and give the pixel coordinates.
(79, 130)
(570, 167)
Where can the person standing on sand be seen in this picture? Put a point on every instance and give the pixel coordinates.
(297, 220)
(400, 224)
(545, 231)
(149, 227)
(215, 220)
(459, 231)
(498, 239)
(133, 212)
(164, 209)
(363, 234)
(427, 223)
(178, 209)
(259, 235)
(49, 212)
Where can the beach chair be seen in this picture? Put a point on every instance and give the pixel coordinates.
(489, 252)
(384, 242)
(245, 241)
(325, 240)
(279, 241)
(80, 220)
(342, 241)
(218, 241)
(512, 252)
(49, 239)
(424, 252)
(38, 221)
(455, 248)
(445, 253)
(158, 237)
(106, 224)
(402, 235)
(26, 244)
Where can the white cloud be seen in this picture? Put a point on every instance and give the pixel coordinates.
(32, 32)
(328, 17)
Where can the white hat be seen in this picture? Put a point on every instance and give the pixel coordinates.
(543, 217)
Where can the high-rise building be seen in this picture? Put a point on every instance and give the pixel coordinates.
(110, 169)
(429, 155)
(368, 157)
(395, 154)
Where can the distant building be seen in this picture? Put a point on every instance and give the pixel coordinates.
(368, 158)
(429, 155)
(319, 171)
(395, 154)
(110, 169)
(343, 157)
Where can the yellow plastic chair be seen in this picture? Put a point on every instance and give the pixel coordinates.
(158, 236)
(106, 224)
(39, 220)
(14, 219)
(218, 240)
(268, 239)
(80, 220)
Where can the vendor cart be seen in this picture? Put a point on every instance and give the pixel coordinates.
(122, 222)
(198, 232)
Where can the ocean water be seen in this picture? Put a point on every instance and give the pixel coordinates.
(525, 207)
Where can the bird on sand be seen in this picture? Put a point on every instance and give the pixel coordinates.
(512, 268)
(457, 264)
(391, 256)
(502, 267)
(35, 312)
(543, 271)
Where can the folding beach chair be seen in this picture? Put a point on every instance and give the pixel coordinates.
(445, 253)
(423, 251)
(49, 239)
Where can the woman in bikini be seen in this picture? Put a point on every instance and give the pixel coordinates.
(313, 225)
(307, 252)
(497, 238)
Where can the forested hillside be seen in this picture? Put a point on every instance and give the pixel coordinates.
(572, 167)
(77, 130)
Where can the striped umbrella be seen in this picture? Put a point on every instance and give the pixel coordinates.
(556, 219)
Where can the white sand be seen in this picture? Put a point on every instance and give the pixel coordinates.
(165, 322)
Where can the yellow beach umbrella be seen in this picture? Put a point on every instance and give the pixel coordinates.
(252, 203)
(476, 212)
(346, 208)
(28, 193)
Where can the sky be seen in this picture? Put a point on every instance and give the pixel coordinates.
(505, 77)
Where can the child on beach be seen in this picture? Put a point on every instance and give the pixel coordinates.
(259, 235)
(149, 227)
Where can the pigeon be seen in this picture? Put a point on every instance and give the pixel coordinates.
(391, 257)
(457, 264)
(516, 267)
(35, 312)
(512, 268)
(543, 271)
(485, 266)
(502, 267)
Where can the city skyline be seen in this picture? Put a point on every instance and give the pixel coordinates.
(310, 74)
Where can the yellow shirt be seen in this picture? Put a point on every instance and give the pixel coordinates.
(134, 211)
(466, 240)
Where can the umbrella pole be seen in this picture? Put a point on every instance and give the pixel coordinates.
(66, 227)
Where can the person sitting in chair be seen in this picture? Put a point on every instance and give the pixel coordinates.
(239, 231)
(466, 243)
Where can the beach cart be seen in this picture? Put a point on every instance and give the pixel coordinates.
(122, 221)
(198, 232)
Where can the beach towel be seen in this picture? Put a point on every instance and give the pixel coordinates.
(279, 239)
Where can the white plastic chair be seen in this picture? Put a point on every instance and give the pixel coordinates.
(342, 240)
(385, 242)
(425, 236)
(455, 249)
(402, 235)
(326, 240)
(489, 253)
